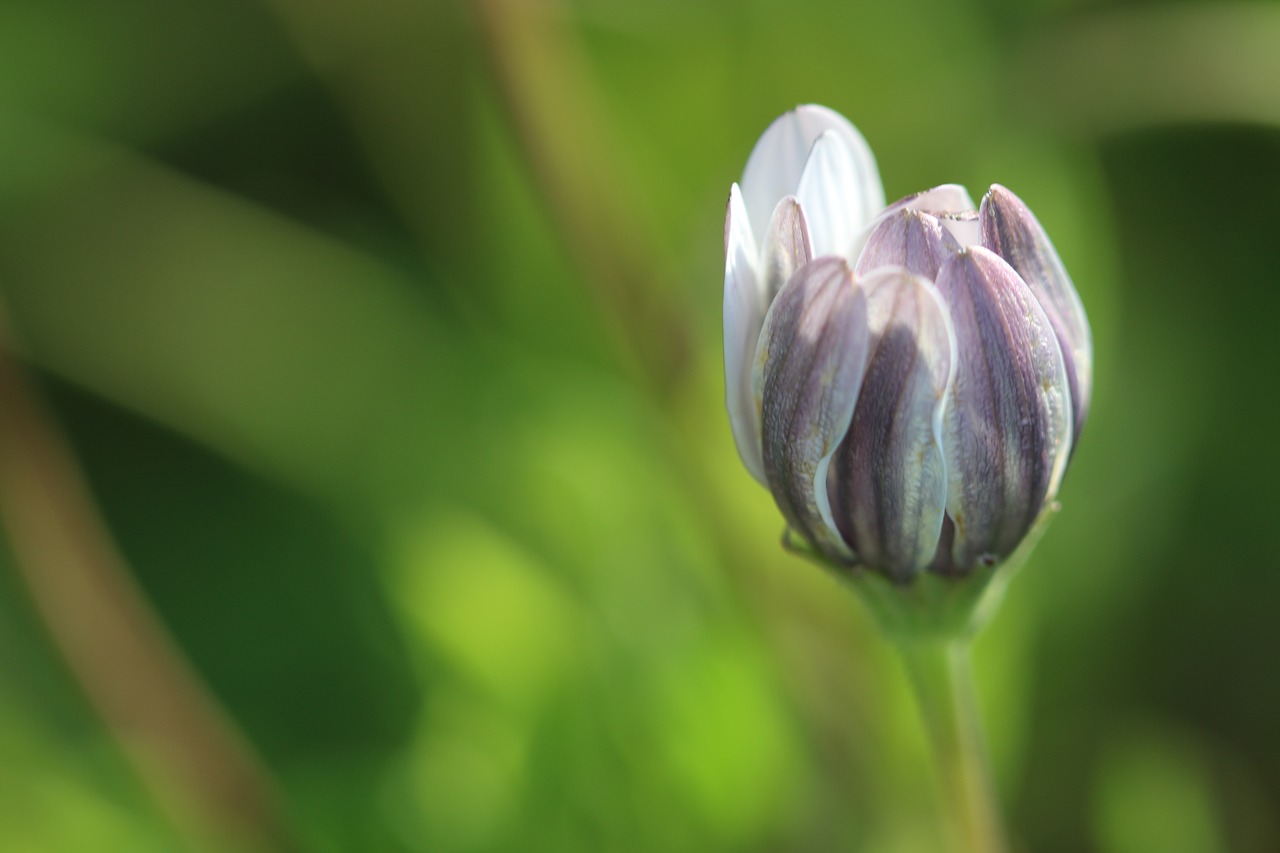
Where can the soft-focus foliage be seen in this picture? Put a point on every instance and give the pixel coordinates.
(388, 335)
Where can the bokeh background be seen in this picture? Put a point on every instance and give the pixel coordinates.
(386, 337)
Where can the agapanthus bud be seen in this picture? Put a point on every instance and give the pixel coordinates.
(908, 381)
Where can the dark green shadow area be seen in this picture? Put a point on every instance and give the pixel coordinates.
(1185, 641)
(279, 607)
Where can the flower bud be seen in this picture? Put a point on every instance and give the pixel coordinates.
(908, 381)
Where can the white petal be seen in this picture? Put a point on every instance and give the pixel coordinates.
(947, 198)
(744, 311)
(778, 159)
(964, 227)
(828, 193)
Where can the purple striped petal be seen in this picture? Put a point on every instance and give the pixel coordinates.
(889, 478)
(1007, 430)
(808, 370)
(910, 239)
(1011, 231)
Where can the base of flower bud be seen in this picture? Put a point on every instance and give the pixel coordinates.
(931, 607)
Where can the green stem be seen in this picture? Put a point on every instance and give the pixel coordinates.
(942, 677)
(931, 621)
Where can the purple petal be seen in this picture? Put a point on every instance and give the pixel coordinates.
(1011, 231)
(889, 479)
(1008, 420)
(809, 367)
(910, 239)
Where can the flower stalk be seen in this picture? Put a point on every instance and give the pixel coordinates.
(942, 679)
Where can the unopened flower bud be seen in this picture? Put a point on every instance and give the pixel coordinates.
(908, 381)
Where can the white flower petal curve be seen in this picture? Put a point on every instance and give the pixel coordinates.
(744, 310)
(964, 227)
(778, 160)
(940, 200)
(828, 193)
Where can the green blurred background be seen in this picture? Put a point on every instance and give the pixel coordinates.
(387, 336)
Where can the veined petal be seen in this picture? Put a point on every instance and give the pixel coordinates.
(778, 159)
(808, 370)
(1012, 231)
(787, 247)
(907, 238)
(744, 309)
(1007, 424)
(889, 479)
(828, 191)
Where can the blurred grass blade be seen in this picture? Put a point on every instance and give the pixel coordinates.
(276, 345)
(188, 753)
(544, 84)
